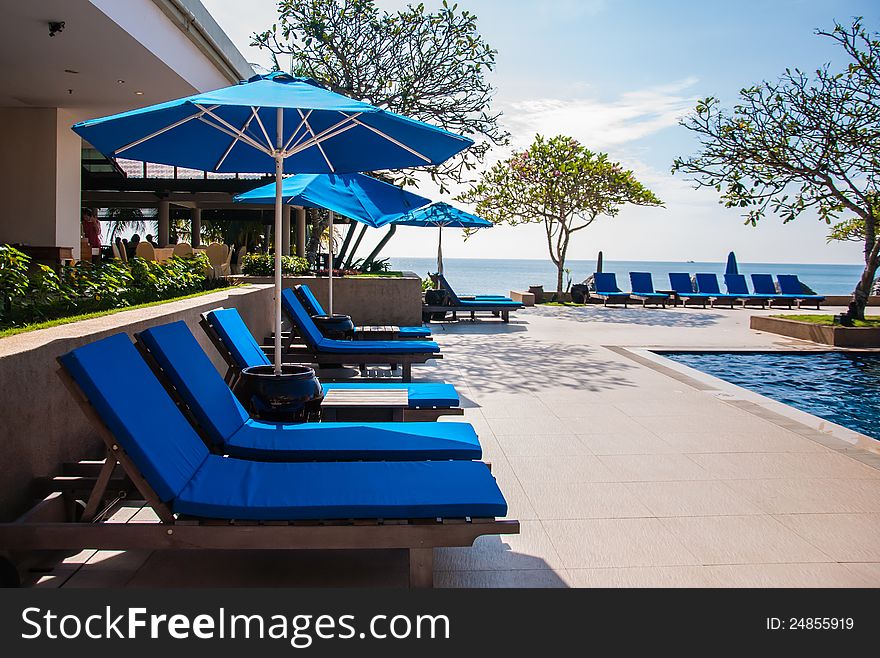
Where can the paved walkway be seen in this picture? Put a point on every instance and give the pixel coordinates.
(620, 474)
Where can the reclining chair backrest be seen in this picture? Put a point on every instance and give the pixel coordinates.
(183, 361)
(642, 282)
(237, 339)
(736, 284)
(681, 283)
(605, 282)
(708, 284)
(444, 284)
(300, 317)
(763, 284)
(138, 411)
(789, 284)
(309, 301)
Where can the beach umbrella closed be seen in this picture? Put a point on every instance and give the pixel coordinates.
(272, 124)
(732, 267)
(600, 261)
(359, 197)
(442, 215)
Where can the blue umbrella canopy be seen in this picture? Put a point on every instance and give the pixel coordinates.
(237, 129)
(272, 123)
(732, 267)
(443, 216)
(356, 196)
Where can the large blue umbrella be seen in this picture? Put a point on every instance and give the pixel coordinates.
(443, 216)
(273, 123)
(356, 196)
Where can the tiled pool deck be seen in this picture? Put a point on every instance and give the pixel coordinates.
(622, 474)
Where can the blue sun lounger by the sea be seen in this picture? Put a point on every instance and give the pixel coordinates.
(313, 306)
(764, 285)
(238, 347)
(789, 284)
(684, 289)
(707, 283)
(643, 289)
(736, 285)
(226, 425)
(607, 289)
(496, 305)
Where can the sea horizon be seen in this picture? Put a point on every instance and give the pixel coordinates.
(501, 275)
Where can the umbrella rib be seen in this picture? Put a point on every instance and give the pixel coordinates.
(234, 142)
(298, 128)
(197, 115)
(390, 139)
(317, 143)
(232, 131)
(329, 133)
(262, 127)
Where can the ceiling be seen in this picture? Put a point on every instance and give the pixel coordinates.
(32, 64)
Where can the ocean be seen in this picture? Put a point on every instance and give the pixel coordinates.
(497, 277)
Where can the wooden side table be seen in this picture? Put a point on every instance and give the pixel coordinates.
(341, 404)
(377, 332)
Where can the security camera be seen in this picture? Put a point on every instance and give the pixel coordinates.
(55, 27)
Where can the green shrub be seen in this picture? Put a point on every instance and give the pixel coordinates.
(264, 265)
(37, 294)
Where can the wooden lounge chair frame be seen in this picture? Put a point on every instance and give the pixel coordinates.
(455, 306)
(47, 528)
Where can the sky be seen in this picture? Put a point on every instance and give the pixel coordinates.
(618, 75)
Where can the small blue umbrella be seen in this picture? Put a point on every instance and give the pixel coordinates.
(443, 216)
(356, 196)
(273, 123)
(732, 267)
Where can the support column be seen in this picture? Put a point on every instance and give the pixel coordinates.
(164, 222)
(196, 228)
(300, 231)
(285, 231)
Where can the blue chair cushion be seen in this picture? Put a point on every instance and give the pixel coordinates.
(643, 284)
(385, 347)
(237, 338)
(354, 442)
(763, 284)
(789, 284)
(138, 411)
(495, 303)
(259, 491)
(606, 283)
(421, 394)
(185, 364)
(297, 313)
(415, 332)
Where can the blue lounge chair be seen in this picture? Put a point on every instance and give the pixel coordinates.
(497, 306)
(318, 349)
(736, 285)
(684, 289)
(238, 347)
(763, 284)
(708, 283)
(226, 426)
(441, 281)
(789, 284)
(643, 288)
(313, 306)
(607, 290)
(205, 501)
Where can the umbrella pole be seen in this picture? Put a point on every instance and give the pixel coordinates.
(330, 262)
(279, 175)
(440, 251)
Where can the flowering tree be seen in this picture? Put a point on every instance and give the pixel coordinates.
(807, 142)
(560, 184)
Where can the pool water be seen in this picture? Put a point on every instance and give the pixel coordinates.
(842, 387)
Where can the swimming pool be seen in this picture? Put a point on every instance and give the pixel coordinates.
(842, 387)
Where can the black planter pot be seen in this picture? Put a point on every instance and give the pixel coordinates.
(337, 327)
(294, 396)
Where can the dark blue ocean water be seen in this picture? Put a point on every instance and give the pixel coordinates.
(474, 276)
(842, 387)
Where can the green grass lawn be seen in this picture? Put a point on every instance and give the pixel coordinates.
(828, 320)
(376, 275)
(12, 331)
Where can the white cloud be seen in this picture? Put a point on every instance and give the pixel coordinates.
(599, 124)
